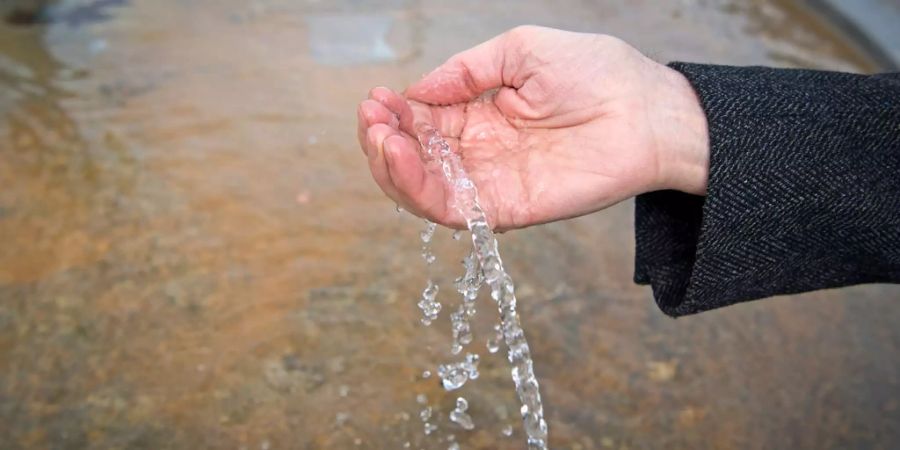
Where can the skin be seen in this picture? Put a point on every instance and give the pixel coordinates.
(549, 124)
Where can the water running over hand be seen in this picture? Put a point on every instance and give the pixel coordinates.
(485, 265)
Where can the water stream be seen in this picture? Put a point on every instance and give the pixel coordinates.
(483, 265)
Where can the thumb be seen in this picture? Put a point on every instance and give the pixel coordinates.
(468, 74)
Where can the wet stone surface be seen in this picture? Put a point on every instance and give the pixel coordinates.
(194, 255)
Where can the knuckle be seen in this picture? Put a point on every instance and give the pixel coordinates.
(611, 42)
(523, 32)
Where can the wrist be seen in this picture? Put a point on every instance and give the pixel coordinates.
(682, 135)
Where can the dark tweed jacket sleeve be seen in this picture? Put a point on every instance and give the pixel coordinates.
(803, 194)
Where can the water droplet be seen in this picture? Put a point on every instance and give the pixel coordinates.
(459, 326)
(454, 375)
(428, 232)
(429, 305)
(428, 256)
(459, 415)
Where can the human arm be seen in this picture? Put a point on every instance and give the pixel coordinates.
(802, 190)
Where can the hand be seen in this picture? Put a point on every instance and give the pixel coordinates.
(549, 125)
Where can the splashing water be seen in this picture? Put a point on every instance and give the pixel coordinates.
(489, 269)
(425, 415)
(459, 415)
(454, 375)
(429, 305)
(426, 236)
(467, 285)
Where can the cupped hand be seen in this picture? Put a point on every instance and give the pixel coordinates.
(549, 124)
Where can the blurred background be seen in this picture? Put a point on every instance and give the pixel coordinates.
(193, 254)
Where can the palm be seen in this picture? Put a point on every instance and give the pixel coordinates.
(530, 174)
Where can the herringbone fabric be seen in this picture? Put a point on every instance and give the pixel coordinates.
(803, 194)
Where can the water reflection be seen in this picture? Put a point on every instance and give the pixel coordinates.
(194, 254)
(353, 39)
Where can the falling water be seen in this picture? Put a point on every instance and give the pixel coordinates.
(429, 304)
(489, 269)
(459, 415)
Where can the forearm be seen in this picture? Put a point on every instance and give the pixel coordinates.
(803, 190)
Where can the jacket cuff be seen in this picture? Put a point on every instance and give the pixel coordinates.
(667, 231)
(802, 170)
